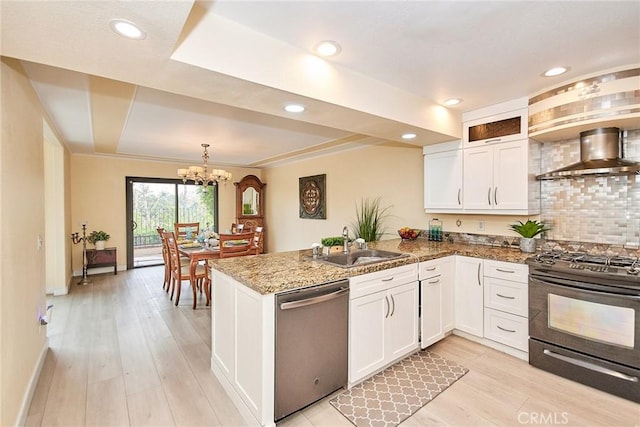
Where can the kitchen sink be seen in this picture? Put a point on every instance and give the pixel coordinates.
(360, 257)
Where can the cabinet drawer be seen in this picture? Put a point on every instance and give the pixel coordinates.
(428, 269)
(381, 280)
(506, 295)
(506, 328)
(506, 270)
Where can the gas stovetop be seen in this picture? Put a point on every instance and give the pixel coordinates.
(583, 266)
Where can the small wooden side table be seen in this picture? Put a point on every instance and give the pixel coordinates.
(106, 257)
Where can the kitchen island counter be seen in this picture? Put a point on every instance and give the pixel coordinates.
(282, 271)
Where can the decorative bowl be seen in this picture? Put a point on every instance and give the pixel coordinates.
(407, 233)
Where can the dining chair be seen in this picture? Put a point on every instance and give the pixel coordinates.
(180, 272)
(165, 259)
(257, 239)
(183, 228)
(236, 228)
(239, 244)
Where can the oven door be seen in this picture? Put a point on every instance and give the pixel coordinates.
(595, 322)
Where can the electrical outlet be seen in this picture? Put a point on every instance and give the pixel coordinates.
(481, 225)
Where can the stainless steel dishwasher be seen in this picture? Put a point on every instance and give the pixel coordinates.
(311, 345)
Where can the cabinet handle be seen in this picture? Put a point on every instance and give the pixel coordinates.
(505, 297)
(479, 283)
(393, 310)
(489, 196)
(386, 299)
(495, 196)
(459, 192)
(388, 279)
(505, 271)
(434, 281)
(493, 140)
(431, 268)
(503, 329)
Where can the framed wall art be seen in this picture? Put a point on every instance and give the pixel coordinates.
(313, 201)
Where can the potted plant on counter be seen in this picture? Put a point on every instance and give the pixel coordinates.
(370, 218)
(528, 231)
(98, 239)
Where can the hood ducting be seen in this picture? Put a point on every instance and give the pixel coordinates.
(600, 154)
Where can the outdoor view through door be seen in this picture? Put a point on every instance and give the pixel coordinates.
(153, 203)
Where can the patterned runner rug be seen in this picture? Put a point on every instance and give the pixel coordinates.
(390, 397)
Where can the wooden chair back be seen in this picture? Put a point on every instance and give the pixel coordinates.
(258, 235)
(182, 228)
(165, 259)
(239, 244)
(237, 228)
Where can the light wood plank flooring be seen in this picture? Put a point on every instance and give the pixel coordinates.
(122, 354)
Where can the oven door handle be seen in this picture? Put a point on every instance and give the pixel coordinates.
(591, 366)
(572, 283)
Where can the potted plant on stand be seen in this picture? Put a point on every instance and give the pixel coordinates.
(98, 239)
(528, 231)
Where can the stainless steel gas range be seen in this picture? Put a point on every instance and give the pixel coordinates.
(584, 319)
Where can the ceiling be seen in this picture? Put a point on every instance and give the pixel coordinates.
(220, 72)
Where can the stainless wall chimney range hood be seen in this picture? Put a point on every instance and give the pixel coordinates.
(601, 154)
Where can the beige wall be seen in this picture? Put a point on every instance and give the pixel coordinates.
(390, 172)
(98, 196)
(22, 287)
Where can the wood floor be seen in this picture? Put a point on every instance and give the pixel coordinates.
(122, 354)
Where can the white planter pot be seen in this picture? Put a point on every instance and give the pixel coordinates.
(528, 245)
(100, 244)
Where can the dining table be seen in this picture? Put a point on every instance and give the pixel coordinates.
(197, 253)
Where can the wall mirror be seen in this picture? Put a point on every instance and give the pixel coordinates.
(250, 201)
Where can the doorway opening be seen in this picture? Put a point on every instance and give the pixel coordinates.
(159, 202)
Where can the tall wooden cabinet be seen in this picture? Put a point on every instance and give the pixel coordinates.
(250, 200)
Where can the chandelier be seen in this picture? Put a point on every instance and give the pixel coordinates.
(201, 175)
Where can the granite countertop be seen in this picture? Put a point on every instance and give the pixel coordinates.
(282, 271)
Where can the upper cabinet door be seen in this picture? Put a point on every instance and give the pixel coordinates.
(502, 127)
(497, 179)
(510, 176)
(443, 181)
(478, 178)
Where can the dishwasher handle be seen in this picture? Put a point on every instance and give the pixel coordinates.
(315, 300)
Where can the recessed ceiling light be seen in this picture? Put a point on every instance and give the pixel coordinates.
(409, 135)
(327, 48)
(556, 71)
(453, 101)
(294, 108)
(127, 29)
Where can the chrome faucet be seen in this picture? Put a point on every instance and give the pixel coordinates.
(345, 238)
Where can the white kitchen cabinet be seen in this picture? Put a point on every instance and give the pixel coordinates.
(497, 179)
(383, 319)
(497, 128)
(436, 299)
(503, 122)
(443, 177)
(506, 303)
(469, 306)
(242, 346)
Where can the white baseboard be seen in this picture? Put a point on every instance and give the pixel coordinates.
(494, 345)
(31, 388)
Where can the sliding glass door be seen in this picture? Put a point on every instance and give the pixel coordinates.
(153, 203)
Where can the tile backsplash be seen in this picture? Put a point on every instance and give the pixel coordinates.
(591, 209)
